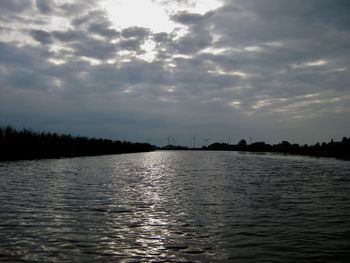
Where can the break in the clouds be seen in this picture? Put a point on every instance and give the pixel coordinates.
(136, 69)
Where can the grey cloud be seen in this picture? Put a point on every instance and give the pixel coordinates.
(161, 37)
(130, 44)
(191, 18)
(15, 11)
(165, 2)
(90, 16)
(133, 38)
(198, 82)
(44, 6)
(26, 67)
(15, 6)
(14, 57)
(68, 36)
(193, 42)
(198, 37)
(95, 22)
(324, 12)
(103, 29)
(135, 32)
(41, 36)
(271, 20)
(78, 7)
(81, 44)
(94, 48)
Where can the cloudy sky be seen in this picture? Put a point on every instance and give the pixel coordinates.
(137, 69)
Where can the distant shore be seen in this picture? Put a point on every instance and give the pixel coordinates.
(333, 149)
(26, 145)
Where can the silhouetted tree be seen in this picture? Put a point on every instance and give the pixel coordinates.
(242, 143)
(331, 149)
(26, 144)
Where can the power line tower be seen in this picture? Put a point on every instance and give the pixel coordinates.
(206, 141)
(168, 140)
(193, 142)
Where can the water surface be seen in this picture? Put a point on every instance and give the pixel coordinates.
(175, 207)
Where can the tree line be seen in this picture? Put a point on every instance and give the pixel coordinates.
(26, 144)
(337, 149)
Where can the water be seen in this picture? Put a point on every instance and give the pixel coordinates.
(176, 207)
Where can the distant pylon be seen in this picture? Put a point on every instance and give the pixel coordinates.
(206, 141)
(168, 140)
(193, 142)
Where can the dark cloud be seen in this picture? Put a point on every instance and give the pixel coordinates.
(191, 18)
(41, 36)
(103, 29)
(94, 48)
(71, 9)
(161, 37)
(15, 6)
(13, 57)
(44, 6)
(91, 16)
(193, 42)
(271, 20)
(131, 44)
(95, 22)
(68, 35)
(136, 32)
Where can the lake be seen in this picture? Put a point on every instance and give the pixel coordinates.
(176, 206)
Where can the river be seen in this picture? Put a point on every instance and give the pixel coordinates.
(175, 206)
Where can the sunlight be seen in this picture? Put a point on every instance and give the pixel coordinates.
(144, 13)
(192, 6)
(316, 63)
(235, 104)
(253, 49)
(310, 64)
(149, 48)
(153, 14)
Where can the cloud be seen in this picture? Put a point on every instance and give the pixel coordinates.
(45, 7)
(191, 18)
(135, 32)
(41, 36)
(103, 29)
(193, 42)
(68, 35)
(248, 67)
(15, 6)
(94, 48)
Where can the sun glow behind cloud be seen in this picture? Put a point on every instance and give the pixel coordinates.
(145, 13)
(152, 14)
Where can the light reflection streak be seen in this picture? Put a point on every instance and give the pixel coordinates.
(145, 221)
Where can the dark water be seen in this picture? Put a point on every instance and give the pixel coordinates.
(176, 206)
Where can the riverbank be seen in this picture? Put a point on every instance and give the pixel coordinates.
(333, 149)
(26, 145)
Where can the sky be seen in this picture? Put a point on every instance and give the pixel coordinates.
(144, 70)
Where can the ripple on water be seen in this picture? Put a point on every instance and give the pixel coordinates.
(175, 207)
